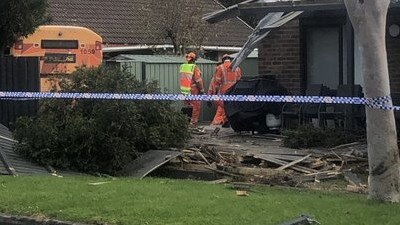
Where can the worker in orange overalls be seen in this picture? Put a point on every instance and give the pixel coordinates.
(191, 83)
(223, 78)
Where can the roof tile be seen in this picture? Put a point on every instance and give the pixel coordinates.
(124, 21)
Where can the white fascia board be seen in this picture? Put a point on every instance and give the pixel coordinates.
(222, 48)
(134, 47)
(141, 47)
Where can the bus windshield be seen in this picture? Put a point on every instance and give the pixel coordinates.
(59, 44)
(61, 50)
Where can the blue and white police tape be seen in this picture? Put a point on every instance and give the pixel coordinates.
(384, 103)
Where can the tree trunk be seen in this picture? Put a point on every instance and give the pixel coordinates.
(369, 21)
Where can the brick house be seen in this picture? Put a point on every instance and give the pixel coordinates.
(319, 47)
(122, 25)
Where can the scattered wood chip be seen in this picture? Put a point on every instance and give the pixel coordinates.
(242, 186)
(318, 163)
(242, 193)
(99, 183)
(56, 175)
(357, 189)
(220, 181)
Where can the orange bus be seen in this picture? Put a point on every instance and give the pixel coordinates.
(61, 49)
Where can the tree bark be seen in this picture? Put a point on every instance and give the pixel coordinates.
(369, 21)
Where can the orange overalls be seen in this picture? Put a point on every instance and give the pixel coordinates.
(193, 85)
(223, 79)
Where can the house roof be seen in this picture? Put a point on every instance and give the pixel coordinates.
(122, 22)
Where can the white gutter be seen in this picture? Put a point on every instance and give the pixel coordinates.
(222, 48)
(141, 47)
(134, 47)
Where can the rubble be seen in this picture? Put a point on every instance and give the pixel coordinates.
(262, 159)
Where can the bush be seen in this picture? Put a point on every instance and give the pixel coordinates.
(309, 136)
(99, 135)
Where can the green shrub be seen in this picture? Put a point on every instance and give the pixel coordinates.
(99, 135)
(308, 136)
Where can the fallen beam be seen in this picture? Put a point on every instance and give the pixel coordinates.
(294, 162)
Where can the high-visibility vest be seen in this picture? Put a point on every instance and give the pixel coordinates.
(185, 77)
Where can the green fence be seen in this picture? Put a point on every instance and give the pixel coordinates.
(165, 70)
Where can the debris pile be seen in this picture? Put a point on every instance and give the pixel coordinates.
(254, 159)
(287, 167)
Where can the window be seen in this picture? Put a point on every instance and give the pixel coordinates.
(60, 44)
(323, 56)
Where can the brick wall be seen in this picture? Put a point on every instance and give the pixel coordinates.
(279, 55)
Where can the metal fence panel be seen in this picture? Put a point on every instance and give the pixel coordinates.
(18, 74)
(166, 74)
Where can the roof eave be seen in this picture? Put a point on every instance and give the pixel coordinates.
(141, 47)
(297, 5)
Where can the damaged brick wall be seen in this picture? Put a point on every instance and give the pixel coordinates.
(279, 55)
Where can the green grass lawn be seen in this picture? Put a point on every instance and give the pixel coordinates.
(162, 201)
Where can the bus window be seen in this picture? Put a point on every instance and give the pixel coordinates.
(59, 44)
(61, 50)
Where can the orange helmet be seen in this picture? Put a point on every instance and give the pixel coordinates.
(191, 55)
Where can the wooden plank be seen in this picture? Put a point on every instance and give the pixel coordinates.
(318, 176)
(345, 145)
(289, 157)
(222, 172)
(250, 171)
(282, 163)
(293, 163)
(204, 158)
